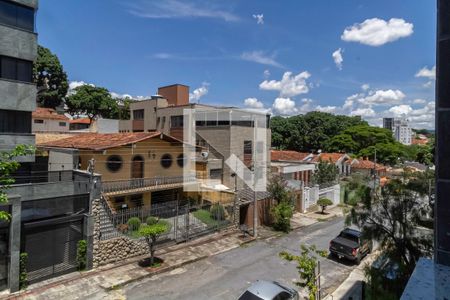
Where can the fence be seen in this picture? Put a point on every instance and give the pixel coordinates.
(136, 183)
(185, 219)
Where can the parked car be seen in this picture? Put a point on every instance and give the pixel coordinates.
(269, 290)
(351, 245)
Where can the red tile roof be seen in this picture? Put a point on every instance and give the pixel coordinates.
(102, 141)
(366, 164)
(47, 113)
(333, 157)
(287, 155)
(81, 121)
(420, 141)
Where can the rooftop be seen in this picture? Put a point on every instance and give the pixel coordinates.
(47, 113)
(102, 141)
(287, 155)
(333, 157)
(81, 121)
(366, 164)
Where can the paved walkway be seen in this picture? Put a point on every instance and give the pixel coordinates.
(80, 285)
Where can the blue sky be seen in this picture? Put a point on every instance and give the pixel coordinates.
(237, 52)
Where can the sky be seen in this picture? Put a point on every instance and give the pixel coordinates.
(369, 58)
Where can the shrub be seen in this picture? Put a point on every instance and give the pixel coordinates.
(81, 255)
(324, 202)
(217, 212)
(151, 234)
(166, 223)
(282, 214)
(23, 277)
(134, 223)
(151, 220)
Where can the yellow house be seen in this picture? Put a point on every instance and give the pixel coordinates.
(138, 169)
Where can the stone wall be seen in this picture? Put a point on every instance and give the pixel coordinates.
(115, 249)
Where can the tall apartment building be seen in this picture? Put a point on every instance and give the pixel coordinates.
(400, 129)
(18, 50)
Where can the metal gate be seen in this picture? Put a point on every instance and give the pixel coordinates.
(51, 246)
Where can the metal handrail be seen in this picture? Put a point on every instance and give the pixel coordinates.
(135, 183)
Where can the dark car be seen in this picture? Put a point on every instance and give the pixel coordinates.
(351, 245)
(268, 290)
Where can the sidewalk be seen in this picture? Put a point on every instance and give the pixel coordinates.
(80, 285)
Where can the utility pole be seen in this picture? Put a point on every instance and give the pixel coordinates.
(255, 174)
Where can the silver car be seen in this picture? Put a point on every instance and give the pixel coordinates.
(268, 290)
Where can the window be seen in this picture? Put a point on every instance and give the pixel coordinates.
(138, 114)
(14, 121)
(181, 160)
(248, 147)
(114, 163)
(166, 161)
(16, 15)
(176, 121)
(215, 174)
(62, 124)
(137, 200)
(38, 121)
(16, 69)
(163, 122)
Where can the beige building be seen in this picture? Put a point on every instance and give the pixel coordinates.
(48, 120)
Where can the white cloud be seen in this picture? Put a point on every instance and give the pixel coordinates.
(290, 85)
(427, 73)
(363, 112)
(259, 18)
(377, 32)
(163, 55)
(365, 86)
(419, 101)
(253, 103)
(328, 109)
(428, 84)
(338, 59)
(74, 84)
(401, 110)
(266, 73)
(284, 106)
(383, 97)
(198, 93)
(175, 9)
(261, 58)
(128, 96)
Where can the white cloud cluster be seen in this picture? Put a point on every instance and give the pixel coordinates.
(253, 103)
(363, 112)
(328, 109)
(259, 19)
(74, 84)
(290, 85)
(377, 32)
(419, 118)
(430, 74)
(198, 93)
(338, 59)
(382, 97)
(365, 86)
(261, 58)
(284, 106)
(175, 9)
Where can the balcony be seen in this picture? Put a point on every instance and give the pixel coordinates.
(139, 185)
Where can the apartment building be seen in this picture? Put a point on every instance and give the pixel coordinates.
(48, 120)
(400, 128)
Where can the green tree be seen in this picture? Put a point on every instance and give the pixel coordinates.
(307, 265)
(92, 101)
(50, 77)
(323, 203)
(279, 191)
(392, 218)
(151, 234)
(8, 165)
(326, 173)
(283, 211)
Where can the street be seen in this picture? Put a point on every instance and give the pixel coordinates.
(227, 275)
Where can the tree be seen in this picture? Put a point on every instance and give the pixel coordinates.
(279, 190)
(392, 218)
(283, 211)
(324, 202)
(92, 101)
(8, 165)
(326, 173)
(151, 234)
(307, 264)
(51, 80)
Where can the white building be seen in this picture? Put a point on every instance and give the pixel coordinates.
(400, 129)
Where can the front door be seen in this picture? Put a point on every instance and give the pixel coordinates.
(137, 167)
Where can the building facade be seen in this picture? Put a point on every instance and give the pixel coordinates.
(400, 128)
(48, 120)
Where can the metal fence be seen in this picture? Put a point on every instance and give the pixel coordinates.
(136, 183)
(185, 220)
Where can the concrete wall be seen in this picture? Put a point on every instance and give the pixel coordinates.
(18, 43)
(9, 141)
(49, 125)
(30, 3)
(60, 160)
(17, 95)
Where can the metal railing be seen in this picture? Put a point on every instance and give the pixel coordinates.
(137, 183)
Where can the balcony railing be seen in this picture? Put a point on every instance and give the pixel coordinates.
(141, 183)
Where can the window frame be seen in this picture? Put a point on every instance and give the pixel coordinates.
(16, 21)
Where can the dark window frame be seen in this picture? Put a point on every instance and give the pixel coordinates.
(138, 114)
(38, 121)
(114, 163)
(176, 121)
(24, 17)
(166, 160)
(16, 76)
(63, 124)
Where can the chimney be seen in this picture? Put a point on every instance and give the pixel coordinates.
(176, 94)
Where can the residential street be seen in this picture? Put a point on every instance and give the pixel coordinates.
(226, 275)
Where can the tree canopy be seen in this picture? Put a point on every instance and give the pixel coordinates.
(92, 101)
(326, 173)
(50, 77)
(309, 132)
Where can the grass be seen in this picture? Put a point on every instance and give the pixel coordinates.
(205, 216)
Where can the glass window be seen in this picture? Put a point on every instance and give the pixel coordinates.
(8, 13)
(176, 121)
(249, 296)
(38, 121)
(138, 114)
(181, 160)
(114, 163)
(62, 124)
(25, 18)
(248, 147)
(8, 68)
(12, 121)
(166, 161)
(24, 70)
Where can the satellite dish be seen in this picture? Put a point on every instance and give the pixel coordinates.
(205, 154)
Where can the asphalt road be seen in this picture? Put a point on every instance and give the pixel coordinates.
(227, 275)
